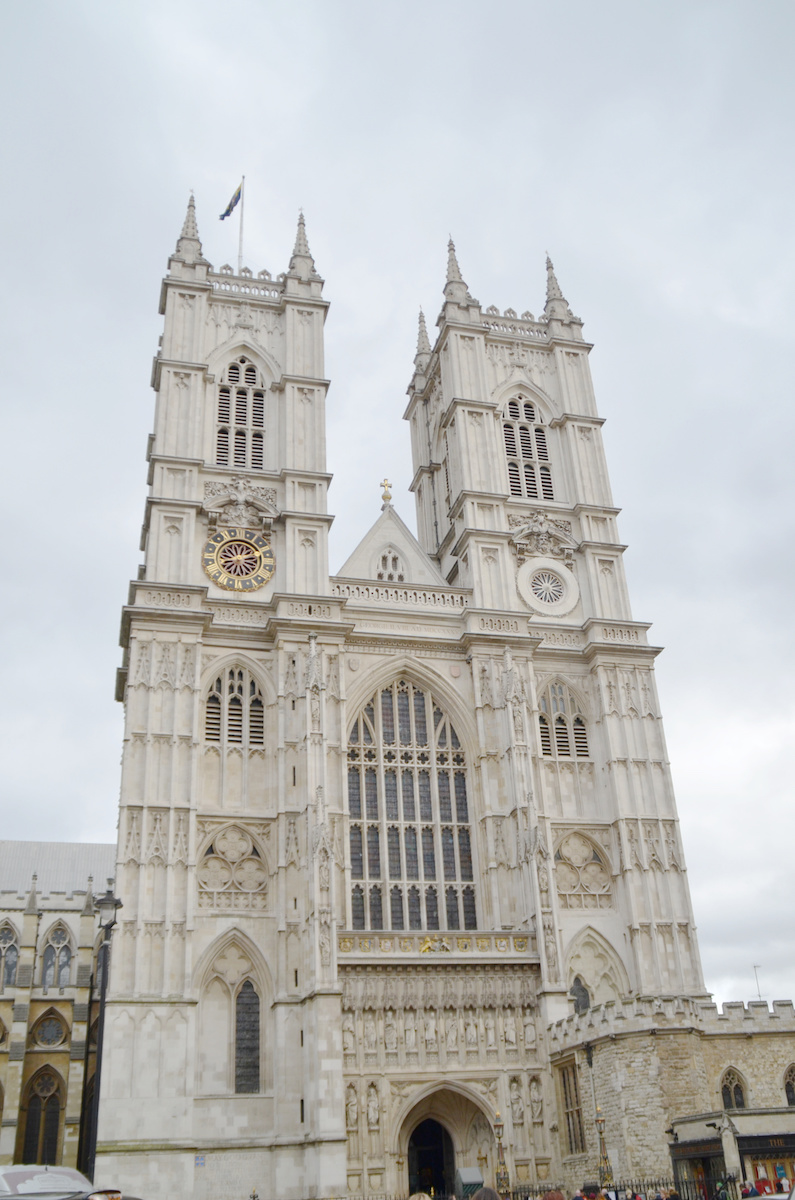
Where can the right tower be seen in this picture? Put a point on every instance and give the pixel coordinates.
(514, 502)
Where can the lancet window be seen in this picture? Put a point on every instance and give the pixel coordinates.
(411, 853)
(732, 1090)
(572, 1108)
(240, 425)
(42, 1119)
(527, 451)
(56, 962)
(234, 711)
(561, 725)
(789, 1085)
(9, 956)
(390, 566)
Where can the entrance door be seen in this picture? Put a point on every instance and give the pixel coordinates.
(431, 1160)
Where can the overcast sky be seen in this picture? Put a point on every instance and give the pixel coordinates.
(648, 147)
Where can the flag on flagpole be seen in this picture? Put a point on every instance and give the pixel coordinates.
(235, 199)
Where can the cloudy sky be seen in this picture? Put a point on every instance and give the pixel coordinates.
(648, 147)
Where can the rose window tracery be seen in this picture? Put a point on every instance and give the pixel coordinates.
(232, 874)
(582, 875)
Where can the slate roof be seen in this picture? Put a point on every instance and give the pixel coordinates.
(62, 867)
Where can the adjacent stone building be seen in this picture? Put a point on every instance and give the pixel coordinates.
(48, 940)
(398, 847)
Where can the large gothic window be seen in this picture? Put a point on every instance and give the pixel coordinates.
(410, 834)
(42, 1119)
(732, 1090)
(561, 725)
(529, 472)
(234, 711)
(56, 962)
(240, 425)
(9, 956)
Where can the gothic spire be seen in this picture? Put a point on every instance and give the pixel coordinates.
(302, 263)
(455, 288)
(557, 304)
(189, 248)
(423, 345)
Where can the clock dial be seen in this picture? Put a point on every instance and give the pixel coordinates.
(239, 560)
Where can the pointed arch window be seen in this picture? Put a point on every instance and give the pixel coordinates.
(9, 956)
(234, 711)
(789, 1085)
(42, 1119)
(561, 726)
(409, 811)
(390, 566)
(247, 1039)
(56, 961)
(527, 452)
(732, 1090)
(240, 417)
(582, 874)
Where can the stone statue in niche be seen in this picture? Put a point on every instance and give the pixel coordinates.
(491, 1031)
(348, 1034)
(430, 1030)
(536, 1103)
(390, 1032)
(351, 1108)
(529, 1029)
(517, 1104)
(551, 948)
(370, 1033)
(452, 1034)
(410, 1031)
(373, 1114)
(510, 1031)
(471, 1032)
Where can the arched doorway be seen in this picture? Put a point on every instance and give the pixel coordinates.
(431, 1160)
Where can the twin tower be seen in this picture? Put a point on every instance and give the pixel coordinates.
(384, 834)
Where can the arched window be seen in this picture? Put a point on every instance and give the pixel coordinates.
(9, 956)
(56, 961)
(42, 1119)
(247, 1069)
(732, 1090)
(525, 438)
(410, 837)
(789, 1085)
(234, 711)
(561, 725)
(390, 566)
(241, 417)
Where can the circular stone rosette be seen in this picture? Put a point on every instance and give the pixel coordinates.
(547, 587)
(238, 560)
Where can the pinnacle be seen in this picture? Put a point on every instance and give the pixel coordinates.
(453, 269)
(190, 229)
(423, 344)
(553, 287)
(302, 263)
(189, 248)
(301, 244)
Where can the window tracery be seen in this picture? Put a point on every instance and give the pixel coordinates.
(56, 964)
(410, 837)
(527, 452)
(561, 725)
(240, 426)
(232, 873)
(390, 566)
(9, 955)
(789, 1085)
(732, 1089)
(42, 1119)
(582, 874)
(234, 711)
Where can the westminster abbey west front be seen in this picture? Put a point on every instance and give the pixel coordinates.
(398, 847)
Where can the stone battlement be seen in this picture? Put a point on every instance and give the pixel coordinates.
(643, 1014)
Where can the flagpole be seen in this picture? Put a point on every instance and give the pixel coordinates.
(240, 243)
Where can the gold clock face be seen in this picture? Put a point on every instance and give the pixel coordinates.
(238, 560)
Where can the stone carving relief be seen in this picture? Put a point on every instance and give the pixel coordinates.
(582, 874)
(537, 536)
(132, 842)
(239, 502)
(517, 1104)
(231, 872)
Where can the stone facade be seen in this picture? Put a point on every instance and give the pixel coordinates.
(381, 832)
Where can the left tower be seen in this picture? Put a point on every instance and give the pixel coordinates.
(223, 1055)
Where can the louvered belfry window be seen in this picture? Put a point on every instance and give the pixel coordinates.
(241, 417)
(234, 712)
(525, 438)
(561, 726)
(410, 837)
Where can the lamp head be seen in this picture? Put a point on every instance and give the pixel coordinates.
(499, 1126)
(107, 906)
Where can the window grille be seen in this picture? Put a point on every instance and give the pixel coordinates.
(234, 711)
(240, 415)
(9, 956)
(570, 1089)
(407, 792)
(247, 1039)
(732, 1090)
(526, 448)
(560, 714)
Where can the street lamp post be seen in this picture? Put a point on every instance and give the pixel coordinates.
(107, 905)
(605, 1170)
(503, 1179)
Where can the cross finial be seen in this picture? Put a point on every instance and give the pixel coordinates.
(386, 495)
